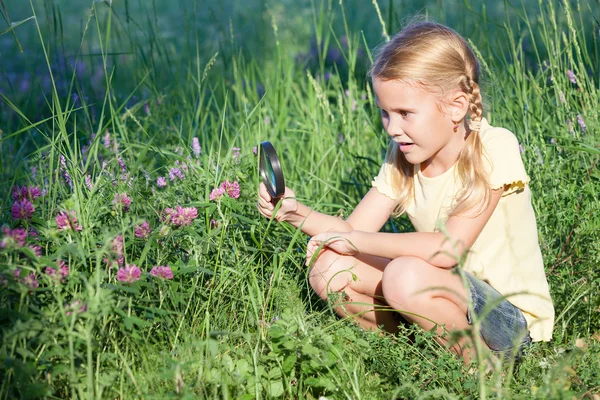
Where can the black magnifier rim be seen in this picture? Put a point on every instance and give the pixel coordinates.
(268, 150)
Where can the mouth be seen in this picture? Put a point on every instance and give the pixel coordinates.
(405, 146)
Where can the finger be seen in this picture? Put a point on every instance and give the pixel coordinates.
(263, 192)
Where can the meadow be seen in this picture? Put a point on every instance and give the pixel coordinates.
(133, 260)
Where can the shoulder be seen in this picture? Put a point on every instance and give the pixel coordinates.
(493, 137)
(503, 156)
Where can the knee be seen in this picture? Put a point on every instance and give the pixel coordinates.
(402, 282)
(330, 273)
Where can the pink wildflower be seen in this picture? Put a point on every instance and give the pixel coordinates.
(107, 140)
(214, 223)
(31, 281)
(184, 216)
(13, 237)
(235, 152)
(88, 182)
(232, 189)
(37, 250)
(123, 201)
(129, 274)
(571, 76)
(22, 209)
(216, 193)
(67, 220)
(143, 230)
(196, 147)
(147, 108)
(255, 150)
(160, 271)
(161, 182)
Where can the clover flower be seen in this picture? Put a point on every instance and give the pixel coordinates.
(31, 281)
(129, 274)
(13, 237)
(182, 216)
(67, 221)
(161, 271)
(24, 192)
(76, 306)
(88, 182)
(143, 230)
(216, 193)
(22, 209)
(235, 152)
(122, 200)
(232, 189)
(161, 182)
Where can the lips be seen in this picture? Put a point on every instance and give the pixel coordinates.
(405, 146)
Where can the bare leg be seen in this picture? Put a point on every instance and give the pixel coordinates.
(357, 280)
(429, 296)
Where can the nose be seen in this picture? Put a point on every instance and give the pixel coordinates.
(394, 127)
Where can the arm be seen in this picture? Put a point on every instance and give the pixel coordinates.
(434, 247)
(369, 216)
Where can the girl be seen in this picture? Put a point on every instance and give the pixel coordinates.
(464, 187)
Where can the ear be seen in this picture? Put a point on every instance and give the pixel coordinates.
(458, 106)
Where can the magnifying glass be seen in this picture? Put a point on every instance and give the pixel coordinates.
(270, 170)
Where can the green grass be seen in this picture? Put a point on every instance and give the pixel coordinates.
(238, 320)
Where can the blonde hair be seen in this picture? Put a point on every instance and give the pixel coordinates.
(437, 59)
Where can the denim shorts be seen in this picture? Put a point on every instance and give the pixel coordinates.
(503, 326)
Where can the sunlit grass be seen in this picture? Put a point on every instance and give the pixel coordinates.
(238, 320)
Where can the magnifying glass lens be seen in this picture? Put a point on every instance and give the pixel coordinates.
(270, 170)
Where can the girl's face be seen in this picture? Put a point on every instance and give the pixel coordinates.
(414, 120)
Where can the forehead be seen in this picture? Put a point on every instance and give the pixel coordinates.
(394, 93)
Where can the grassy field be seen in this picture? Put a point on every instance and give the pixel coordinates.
(124, 275)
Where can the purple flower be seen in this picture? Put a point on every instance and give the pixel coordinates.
(161, 271)
(25, 193)
(214, 223)
(184, 216)
(63, 167)
(67, 220)
(88, 182)
(161, 182)
(31, 281)
(267, 120)
(232, 189)
(216, 193)
(196, 147)
(122, 164)
(571, 76)
(255, 150)
(123, 201)
(581, 122)
(13, 237)
(129, 274)
(175, 173)
(63, 269)
(107, 139)
(37, 250)
(143, 230)
(22, 209)
(235, 152)
(521, 149)
(146, 108)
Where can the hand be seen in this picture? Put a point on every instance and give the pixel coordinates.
(287, 204)
(340, 242)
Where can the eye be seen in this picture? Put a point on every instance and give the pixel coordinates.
(404, 113)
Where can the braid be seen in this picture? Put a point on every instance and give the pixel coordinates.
(475, 103)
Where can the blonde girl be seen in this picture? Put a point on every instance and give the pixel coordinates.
(464, 187)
